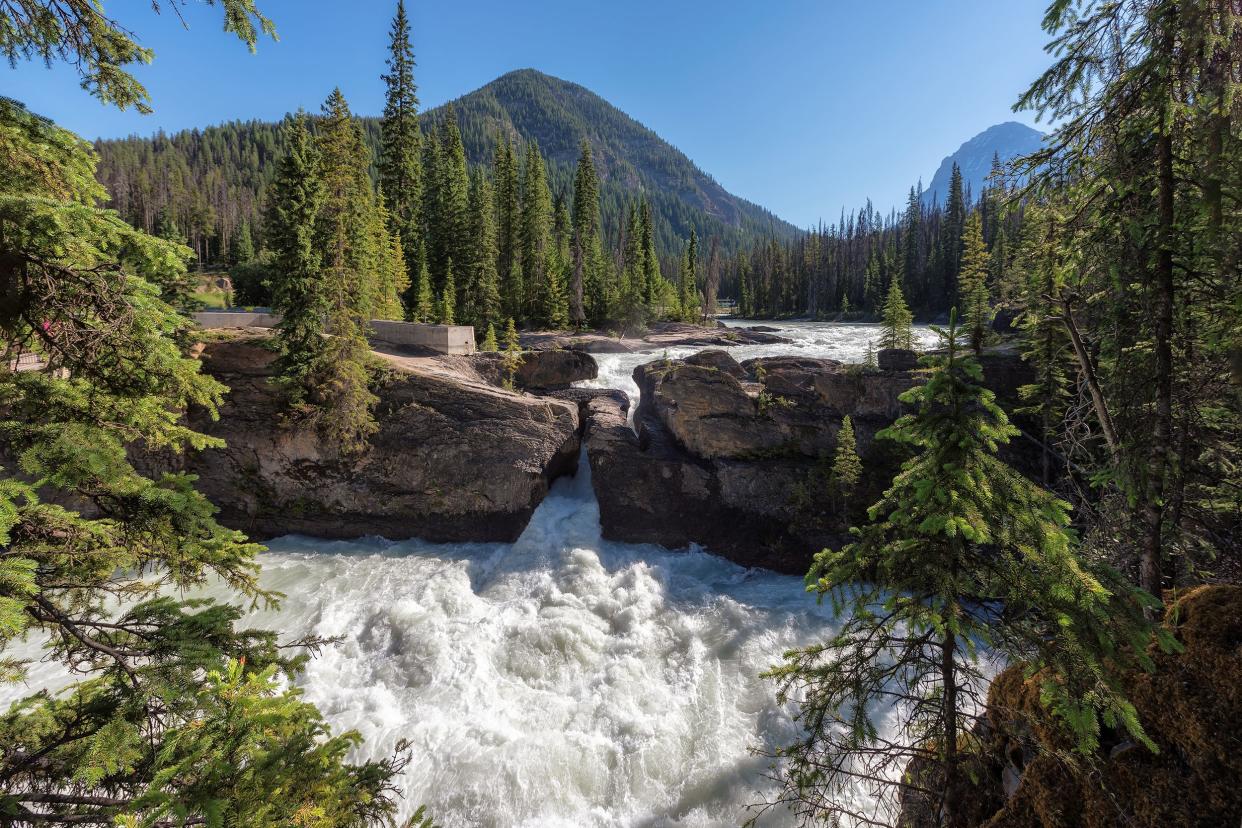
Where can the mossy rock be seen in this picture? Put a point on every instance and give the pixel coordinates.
(1191, 706)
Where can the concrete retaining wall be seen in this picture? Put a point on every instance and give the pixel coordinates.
(236, 319)
(444, 339)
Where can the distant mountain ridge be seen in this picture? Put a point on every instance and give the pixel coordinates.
(1008, 140)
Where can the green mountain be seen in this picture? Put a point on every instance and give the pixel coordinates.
(631, 159)
(206, 183)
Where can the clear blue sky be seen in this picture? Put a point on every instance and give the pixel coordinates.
(799, 105)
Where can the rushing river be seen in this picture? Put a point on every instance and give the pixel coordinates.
(562, 680)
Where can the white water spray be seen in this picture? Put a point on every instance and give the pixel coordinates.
(562, 680)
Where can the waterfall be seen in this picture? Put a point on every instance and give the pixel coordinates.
(561, 680)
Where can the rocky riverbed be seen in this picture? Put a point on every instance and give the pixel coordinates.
(732, 456)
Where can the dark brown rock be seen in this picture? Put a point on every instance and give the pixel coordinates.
(454, 459)
(897, 359)
(717, 360)
(739, 466)
(539, 370)
(649, 491)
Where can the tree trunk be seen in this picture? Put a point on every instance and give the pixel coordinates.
(577, 312)
(1162, 433)
(1087, 366)
(948, 677)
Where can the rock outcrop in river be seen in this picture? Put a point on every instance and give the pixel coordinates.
(733, 457)
(455, 458)
(736, 457)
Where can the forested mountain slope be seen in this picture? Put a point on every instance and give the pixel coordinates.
(209, 182)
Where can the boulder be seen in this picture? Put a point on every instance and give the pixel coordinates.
(454, 458)
(649, 491)
(897, 359)
(539, 370)
(739, 464)
(717, 360)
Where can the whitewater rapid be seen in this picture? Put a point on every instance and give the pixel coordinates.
(843, 341)
(562, 680)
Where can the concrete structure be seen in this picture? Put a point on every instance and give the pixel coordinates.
(237, 319)
(444, 339)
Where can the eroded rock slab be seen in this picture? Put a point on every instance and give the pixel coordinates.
(733, 457)
(455, 459)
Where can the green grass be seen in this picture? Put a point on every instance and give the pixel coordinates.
(211, 299)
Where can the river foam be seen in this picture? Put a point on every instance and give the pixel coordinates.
(562, 680)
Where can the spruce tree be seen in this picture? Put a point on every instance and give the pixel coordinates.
(536, 226)
(509, 228)
(424, 307)
(585, 288)
(512, 359)
(961, 555)
(345, 233)
(489, 340)
(896, 326)
(560, 269)
(173, 712)
(453, 200)
(688, 284)
(973, 284)
(294, 200)
(952, 232)
(447, 306)
(392, 280)
(400, 157)
(1047, 344)
(650, 260)
(483, 307)
(846, 467)
(241, 246)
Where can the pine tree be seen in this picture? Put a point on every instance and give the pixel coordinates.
(509, 229)
(424, 308)
(912, 243)
(453, 201)
(344, 232)
(688, 284)
(241, 247)
(392, 280)
(489, 340)
(1047, 346)
(294, 200)
(400, 157)
(483, 306)
(448, 297)
(512, 359)
(555, 295)
(961, 555)
(744, 301)
(973, 284)
(586, 285)
(154, 678)
(896, 327)
(846, 467)
(954, 227)
(536, 234)
(650, 260)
